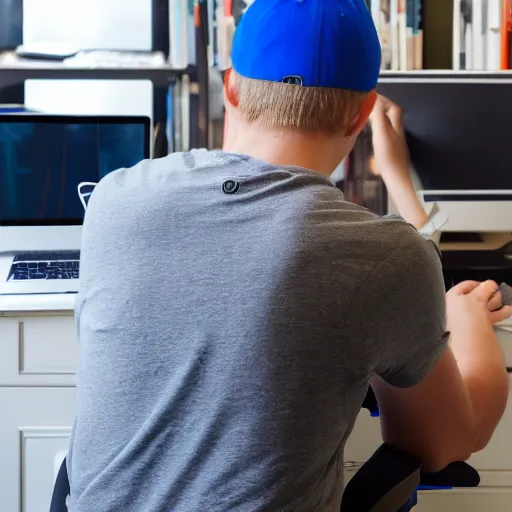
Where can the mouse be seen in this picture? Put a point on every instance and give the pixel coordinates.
(506, 294)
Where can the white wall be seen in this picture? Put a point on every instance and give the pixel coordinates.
(89, 24)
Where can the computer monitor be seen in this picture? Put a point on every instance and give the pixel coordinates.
(44, 158)
(459, 133)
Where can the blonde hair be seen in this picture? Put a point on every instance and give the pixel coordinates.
(279, 105)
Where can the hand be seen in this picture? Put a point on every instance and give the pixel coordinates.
(389, 143)
(475, 304)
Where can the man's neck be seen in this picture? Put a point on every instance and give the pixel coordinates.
(288, 148)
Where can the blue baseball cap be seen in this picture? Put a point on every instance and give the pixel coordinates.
(314, 43)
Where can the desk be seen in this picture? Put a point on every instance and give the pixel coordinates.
(37, 399)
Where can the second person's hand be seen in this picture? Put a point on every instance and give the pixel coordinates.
(389, 143)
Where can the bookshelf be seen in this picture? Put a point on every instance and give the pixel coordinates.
(14, 70)
(468, 35)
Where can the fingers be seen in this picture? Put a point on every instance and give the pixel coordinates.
(378, 117)
(464, 287)
(486, 291)
(385, 111)
(500, 315)
(495, 302)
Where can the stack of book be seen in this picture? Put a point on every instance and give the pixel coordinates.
(399, 26)
(481, 35)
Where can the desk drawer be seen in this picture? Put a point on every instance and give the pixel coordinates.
(37, 350)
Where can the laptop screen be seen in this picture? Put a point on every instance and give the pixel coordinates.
(43, 159)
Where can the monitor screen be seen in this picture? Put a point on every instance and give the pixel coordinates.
(43, 159)
(458, 131)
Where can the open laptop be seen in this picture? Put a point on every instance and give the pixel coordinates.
(43, 159)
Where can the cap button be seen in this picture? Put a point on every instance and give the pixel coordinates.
(230, 187)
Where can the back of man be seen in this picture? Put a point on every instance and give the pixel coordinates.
(227, 325)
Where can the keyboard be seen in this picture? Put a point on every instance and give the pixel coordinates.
(45, 265)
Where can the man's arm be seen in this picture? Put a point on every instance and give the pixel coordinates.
(438, 404)
(454, 411)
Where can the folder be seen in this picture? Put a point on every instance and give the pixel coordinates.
(506, 29)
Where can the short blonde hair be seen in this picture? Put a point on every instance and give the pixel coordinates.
(279, 105)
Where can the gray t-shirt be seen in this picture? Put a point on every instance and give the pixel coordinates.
(230, 315)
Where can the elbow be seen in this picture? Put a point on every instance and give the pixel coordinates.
(488, 425)
(469, 439)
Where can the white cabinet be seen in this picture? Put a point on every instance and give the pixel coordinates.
(35, 426)
(38, 350)
(37, 405)
(480, 499)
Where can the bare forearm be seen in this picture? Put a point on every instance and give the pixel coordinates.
(482, 367)
(401, 190)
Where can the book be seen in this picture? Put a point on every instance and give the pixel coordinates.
(381, 14)
(394, 37)
(360, 184)
(410, 31)
(506, 39)
(404, 52)
(478, 34)
(493, 36)
(178, 34)
(458, 44)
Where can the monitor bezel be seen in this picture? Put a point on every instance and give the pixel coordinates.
(71, 119)
(454, 77)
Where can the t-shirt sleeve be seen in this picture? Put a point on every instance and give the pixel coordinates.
(396, 325)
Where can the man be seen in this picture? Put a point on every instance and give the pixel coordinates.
(233, 307)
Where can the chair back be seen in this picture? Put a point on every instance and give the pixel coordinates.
(384, 483)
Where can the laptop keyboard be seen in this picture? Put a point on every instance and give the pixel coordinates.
(45, 265)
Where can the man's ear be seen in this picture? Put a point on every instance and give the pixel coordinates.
(230, 90)
(359, 122)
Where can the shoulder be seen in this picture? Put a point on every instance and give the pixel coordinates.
(382, 241)
(406, 260)
(147, 175)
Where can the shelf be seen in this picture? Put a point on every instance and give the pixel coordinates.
(445, 74)
(14, 71)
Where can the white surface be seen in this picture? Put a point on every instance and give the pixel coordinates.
(477, 216)
(40, 238)
(90, 97)
(466, 500)
(91, 24)
(37, 303)
(35, 426)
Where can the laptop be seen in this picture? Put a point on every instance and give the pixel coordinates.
(44, 161)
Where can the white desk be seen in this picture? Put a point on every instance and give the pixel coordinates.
(37, 404)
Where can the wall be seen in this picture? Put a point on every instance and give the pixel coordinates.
(89, 24)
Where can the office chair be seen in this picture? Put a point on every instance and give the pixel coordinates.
(60, 490)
